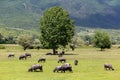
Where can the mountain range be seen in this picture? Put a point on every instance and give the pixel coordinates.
(26, 14)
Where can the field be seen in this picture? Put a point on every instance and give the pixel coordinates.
(90, 66)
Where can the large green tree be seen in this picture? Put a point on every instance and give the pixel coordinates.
(102, 40)
(56, 28)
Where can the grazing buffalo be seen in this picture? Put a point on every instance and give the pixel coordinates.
(63, 68)
(61, 60)
(27, 54)
(61, 53)
(22, 57)
(11, 55)
(42, 59)
(108, 67)
(35, 67)
(49, 53)
(76, 62)
(66, 67)
(58, 68)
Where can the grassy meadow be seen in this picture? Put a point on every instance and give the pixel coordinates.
(90, 66)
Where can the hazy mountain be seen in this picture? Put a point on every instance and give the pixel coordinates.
(88, 13)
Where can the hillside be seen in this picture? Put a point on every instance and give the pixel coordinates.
(26, 14)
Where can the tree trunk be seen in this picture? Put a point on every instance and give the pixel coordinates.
(73, 48)
(54, 51)
(102, 49)
(25, 48)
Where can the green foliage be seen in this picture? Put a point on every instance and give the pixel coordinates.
(88, 39)
(77, 41)
(82, 32)
(15, 32)
(102, 40)
(1, 38)
(37, 44)
(24, 14)
(9, 40)
(25, 41)
(56, 28)
(9, 35)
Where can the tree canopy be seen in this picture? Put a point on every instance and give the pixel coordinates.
(102, 40)
(1, 39)
(25, 41)
(56, 28)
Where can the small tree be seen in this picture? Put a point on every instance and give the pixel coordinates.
(76, 42)
(37, 44)
(56, 28)
(25, 41)
(9, 40)
(102, 40)
(88, 39)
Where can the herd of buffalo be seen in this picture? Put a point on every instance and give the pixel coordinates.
(64, 67)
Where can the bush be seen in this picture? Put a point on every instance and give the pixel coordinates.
(2, 47)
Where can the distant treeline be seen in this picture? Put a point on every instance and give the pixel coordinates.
(9, 35)
(84, 35)
(7, 40)
(25, 14)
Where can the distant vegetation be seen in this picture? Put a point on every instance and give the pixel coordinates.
(89, 32)
(102, 40)
(9, 35)
(25, 14)
(83, 37)
(21, 17)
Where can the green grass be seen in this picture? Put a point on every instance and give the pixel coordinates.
(90, 65)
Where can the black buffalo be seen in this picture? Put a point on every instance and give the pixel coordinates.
(11, 55)
(21, 57)
(63, 68)
(42, 59)
(66, 67)
(61, 53)
(108, 67)
(35, 67)
(75, 62)
(49, 53)
(27, 54)
(61, 60)
(58, 68)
